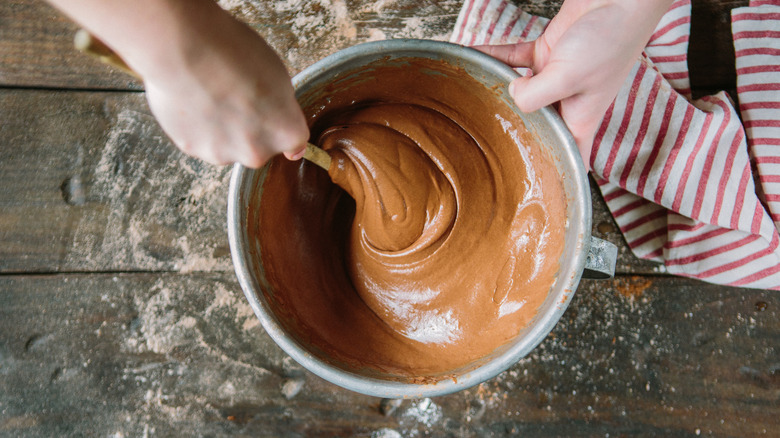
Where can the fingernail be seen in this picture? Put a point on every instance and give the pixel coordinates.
(512, 88)
(296, 156)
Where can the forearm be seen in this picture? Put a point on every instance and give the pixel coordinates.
(637, 18)
(643, 16)
(153, 36)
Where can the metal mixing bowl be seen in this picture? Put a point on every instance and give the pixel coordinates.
(550, 131)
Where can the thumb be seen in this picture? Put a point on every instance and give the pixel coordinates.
(548, 86)
(513, 55)
(295, 154)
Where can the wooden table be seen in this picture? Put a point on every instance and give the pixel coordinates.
(120, 314)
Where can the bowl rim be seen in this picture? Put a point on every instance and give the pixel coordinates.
(563, 291)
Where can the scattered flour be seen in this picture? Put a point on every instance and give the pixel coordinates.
(316, 19)
(304, 31)
(424, 412)
(233, 302)
(164, 327)
(160, 209)
(199, 362)
(385, 433)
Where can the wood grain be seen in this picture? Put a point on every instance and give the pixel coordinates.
(90, 183)
(36, 50)
(177, 354)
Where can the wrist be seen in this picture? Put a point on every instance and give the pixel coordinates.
(156, 38)
(650, 11)
(176, 40)
(634, 21)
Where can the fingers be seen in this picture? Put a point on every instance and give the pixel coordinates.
(295, 155)
(548, 86)
(251, 154)
(253, 144)
(290, 143)
(514, 55)
(293, 144)
(551, 84)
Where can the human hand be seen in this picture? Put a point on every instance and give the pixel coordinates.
(216, 88)
(581, 60)
(228, 99)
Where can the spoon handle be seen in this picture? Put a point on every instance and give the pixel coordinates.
(86, 43)
(317, 156)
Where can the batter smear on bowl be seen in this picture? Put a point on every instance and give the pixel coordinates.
(438, 241)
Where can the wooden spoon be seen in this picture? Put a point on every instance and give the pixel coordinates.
(86, 43)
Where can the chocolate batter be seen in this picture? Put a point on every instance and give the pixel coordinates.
(446, 241)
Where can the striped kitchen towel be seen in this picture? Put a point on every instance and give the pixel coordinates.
(688, 183)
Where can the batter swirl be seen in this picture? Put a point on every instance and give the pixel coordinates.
(447, 242)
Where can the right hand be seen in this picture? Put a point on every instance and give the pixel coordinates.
(224, 96)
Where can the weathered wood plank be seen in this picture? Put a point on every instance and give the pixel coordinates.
(183, 355)
(304, 32)
(36, 50)
(36, 41)
(90, 183)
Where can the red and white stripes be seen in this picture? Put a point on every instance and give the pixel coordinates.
(495, 22)
(758, 88)
(687, 183)
(668, 46)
